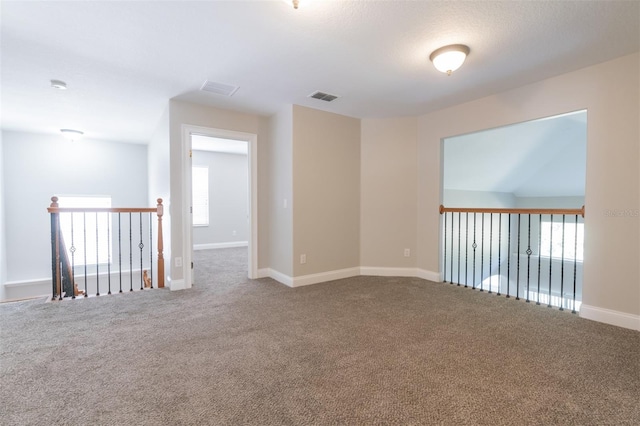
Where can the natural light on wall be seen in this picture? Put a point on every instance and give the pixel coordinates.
(88, 246)
(200, 194)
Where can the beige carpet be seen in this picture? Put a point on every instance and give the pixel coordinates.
(361, 351)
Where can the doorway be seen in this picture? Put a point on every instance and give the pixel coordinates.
(247, 235)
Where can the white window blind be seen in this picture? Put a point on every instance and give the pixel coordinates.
(200, 195)
(81, 242)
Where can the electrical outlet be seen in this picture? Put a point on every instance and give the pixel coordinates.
(303, 258)
(407, 252)
(178, 262)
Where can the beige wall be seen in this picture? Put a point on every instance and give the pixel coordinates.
(610, 93)
(388, 197)
(280, 161)
(326, 191)
(198, 115)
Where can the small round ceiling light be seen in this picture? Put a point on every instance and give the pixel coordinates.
(447, 59)
(72, 135)
(59, 84)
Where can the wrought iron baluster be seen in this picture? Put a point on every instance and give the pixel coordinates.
(84, 233)
(528, 259)
(482, 253)
(97, 259)
(109, 251)
(490, 250)
(550, 258)
(518, 269)
(575, 265)
(562, 267)
(459, 246)
(466, 249)
(473, 283)
(499, 254)
(509, 259)
(444, 251)
(73, 262)
(130, 254)
(539, 256)
(120, 250)
(141, 245)
(151, 248)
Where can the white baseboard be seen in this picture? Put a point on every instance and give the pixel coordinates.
(436, 277)
(388, 272)
(325, 276)
(210, 246)
(608, 316)
(176, 284)
(280, 277)
(263, 273)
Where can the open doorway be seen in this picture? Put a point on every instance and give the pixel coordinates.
(243, 222)
(220, 197)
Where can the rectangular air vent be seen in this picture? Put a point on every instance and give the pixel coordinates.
(219, 88)
(323, 96)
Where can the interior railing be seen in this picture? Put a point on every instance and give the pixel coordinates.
(94, 250)
(530, 254)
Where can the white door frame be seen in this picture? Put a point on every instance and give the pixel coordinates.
(187, 215)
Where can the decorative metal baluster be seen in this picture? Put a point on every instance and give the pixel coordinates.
(120, 250)
(499, 254)
(141, 245)
(444, 251)
(528, 259)
(473, 283)
(550, 258)
(151, 248)
(97, 260)
(130, 254)
(109, 251)
(539, 256)
(518, 269)
(466, 249)
(482, 254)
(459, 234)
(490, 250)
(73, 261)
(562, 269)
(575, 265)
(509, 259)
(84, 233)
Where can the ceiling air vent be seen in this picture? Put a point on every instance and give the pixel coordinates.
(323, 96)
(219, 88)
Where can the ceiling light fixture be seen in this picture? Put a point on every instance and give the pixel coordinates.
(295, 3)
(59, 84)
(447, 59)
(72, 135)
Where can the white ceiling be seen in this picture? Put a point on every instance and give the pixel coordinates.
(123, 60)
(539, 158)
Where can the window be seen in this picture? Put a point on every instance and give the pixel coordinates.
(81, 230)
(200, 195)
(551, 242)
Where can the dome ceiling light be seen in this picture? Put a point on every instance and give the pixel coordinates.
(447, 59)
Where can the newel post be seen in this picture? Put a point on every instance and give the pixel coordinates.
(160, 245)
(56, 273)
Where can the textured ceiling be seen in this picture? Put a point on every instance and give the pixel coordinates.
(123, 60)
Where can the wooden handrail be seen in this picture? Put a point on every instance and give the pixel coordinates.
(444, 209)
(102, 209)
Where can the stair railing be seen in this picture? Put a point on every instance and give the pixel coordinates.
(64, 277)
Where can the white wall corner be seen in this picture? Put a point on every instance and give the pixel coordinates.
(280, 277)
(263, 273)
(608, 316)
(325, 276)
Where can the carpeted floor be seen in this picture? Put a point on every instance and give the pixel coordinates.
(360, 351)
